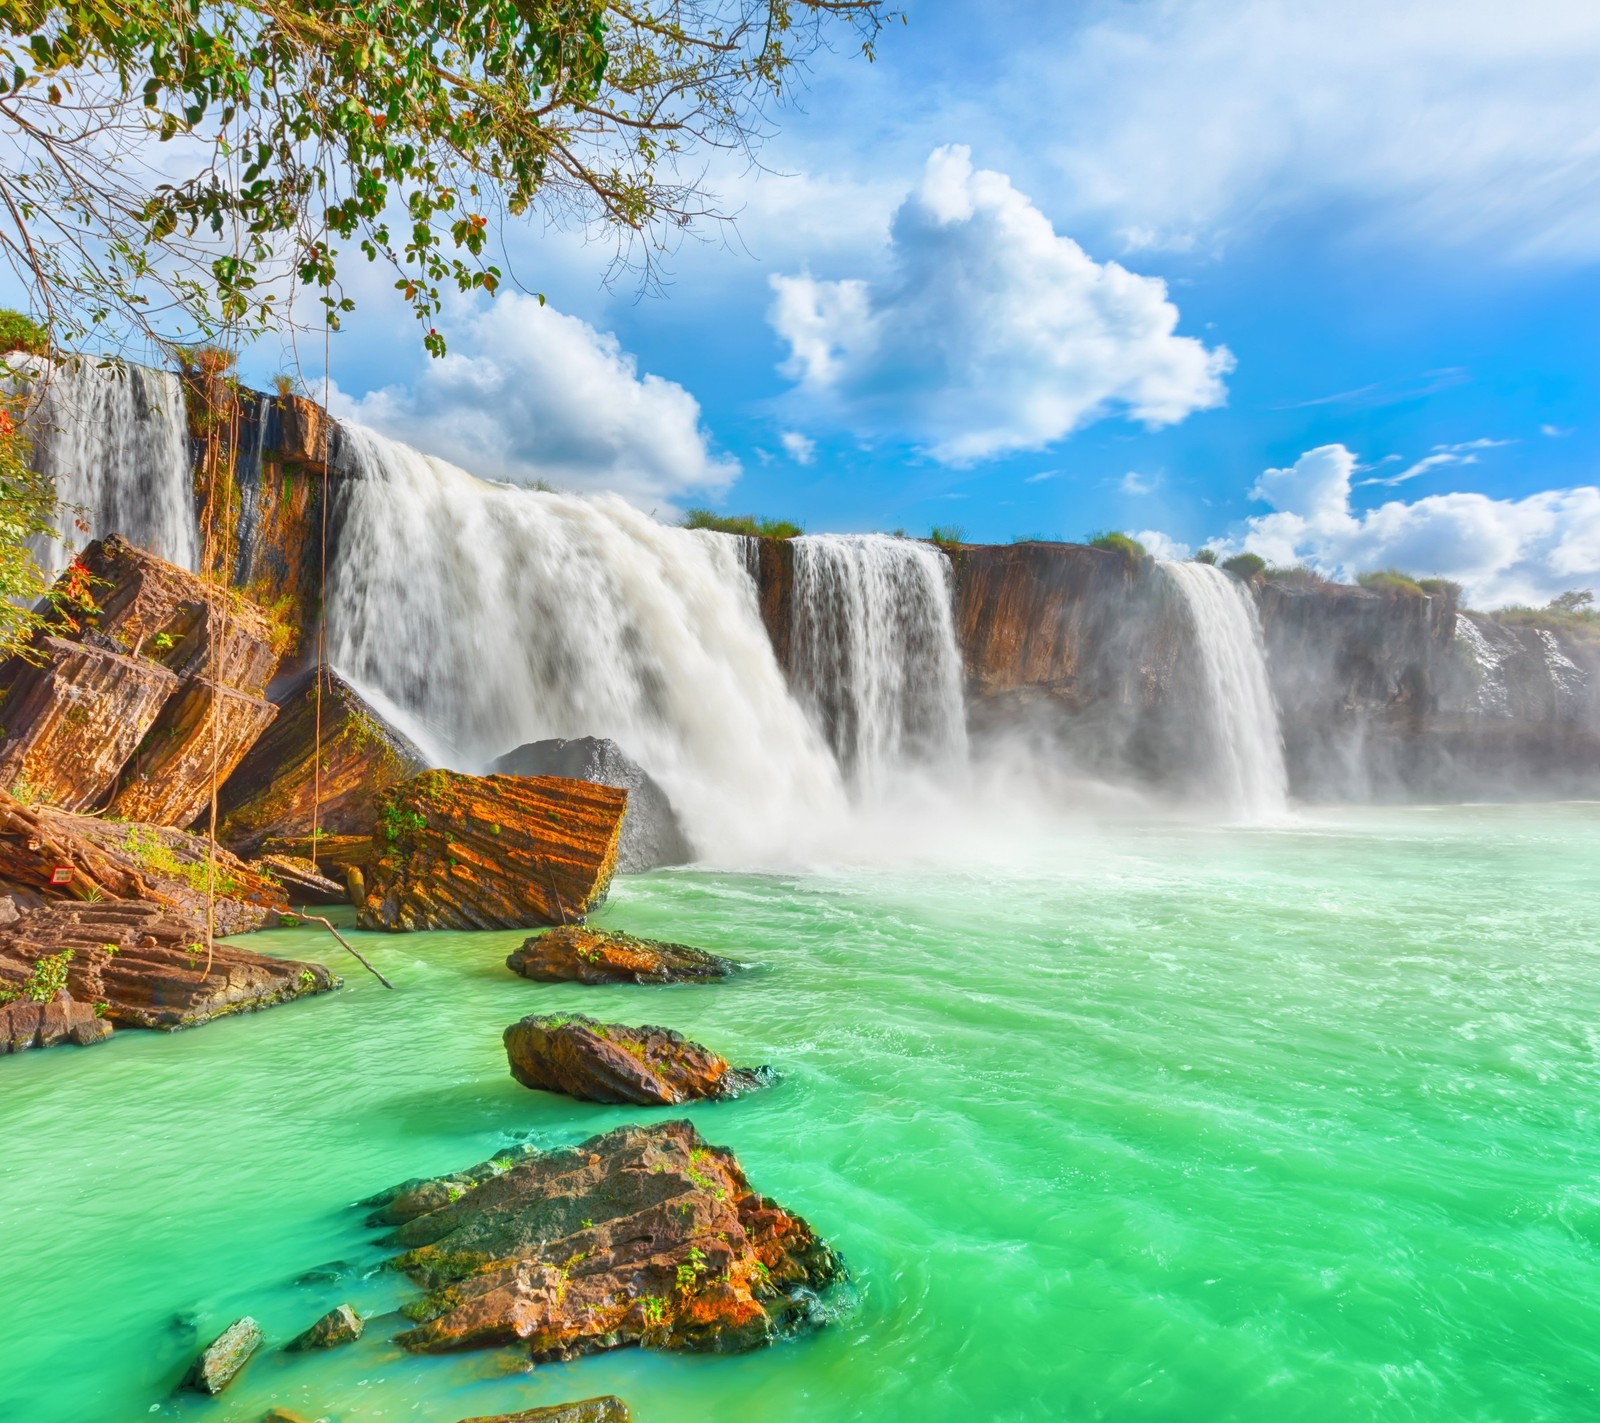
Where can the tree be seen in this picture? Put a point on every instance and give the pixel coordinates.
(1574, 600)
(406, 130)
(1244, 565)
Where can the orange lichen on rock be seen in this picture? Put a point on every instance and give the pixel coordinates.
(645, 1235)
(491, 852)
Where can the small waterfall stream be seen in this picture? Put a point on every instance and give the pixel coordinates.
(115, 439)
(495, 615)
(1239, 716)
(873, 653)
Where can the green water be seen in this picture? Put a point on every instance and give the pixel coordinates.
(1167, 1124)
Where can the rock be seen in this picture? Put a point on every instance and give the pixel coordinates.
(609, 1409)
(608, 1062)
(651, 832)
(355, 885)
(74, 718)
(340, 1325)
(272, 791)
(9, 913)
(148, 964)
(106, 860)
(579, 954)
(285, 1415)
(221, 1361)
(303, 881)
(203, 732)
(645, 1235)
(491, 852)
(26, 1024)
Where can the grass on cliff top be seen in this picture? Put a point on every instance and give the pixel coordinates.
(1116, 542)
(1581, 623)
(747, 524)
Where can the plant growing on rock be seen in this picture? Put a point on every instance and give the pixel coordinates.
(748, 524)
(48, 979)
(1115, 542)
(1245, 566)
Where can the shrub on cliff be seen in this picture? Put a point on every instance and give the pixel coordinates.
(22, 333)
(1301, 575)
(1245, 566)
(27, 515)
(947, 535)
(747, 524)
(1115, 542)
(1391, 580)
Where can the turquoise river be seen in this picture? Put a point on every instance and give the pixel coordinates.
(1159, 1122)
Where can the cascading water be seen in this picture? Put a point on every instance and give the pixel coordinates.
(115, 439)
(495, 615)
(1240, 716)
(873, 653)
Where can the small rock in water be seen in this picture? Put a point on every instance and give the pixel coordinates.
(221, 1361)
(609, 1409)
(644, 1235)
(286, 1415)
(341, 1325)
(331, 1273)
(610, 1062)
(576, 953)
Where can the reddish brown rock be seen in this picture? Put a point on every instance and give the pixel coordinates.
(340, 1325)
(201, 735)
(149, 966)
(272, 793)
(26, 1024)
(491, 852)
(72, 720)
(609, 1062)
(645, 1235)
(575, 953)
(302, 881)
(52, 854)
(609, 1409)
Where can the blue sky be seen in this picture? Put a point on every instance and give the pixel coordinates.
(1309, 277)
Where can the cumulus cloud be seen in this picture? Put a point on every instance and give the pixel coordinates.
(1458, 121)
(798, 447)
(1500, 550)
(989, 332)
(530, 394)
(1160, 545)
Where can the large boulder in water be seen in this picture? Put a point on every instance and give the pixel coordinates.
(651, 832)
(26, 1023)
(220, 1362)
(274, 793)
(610, 1062)
(609, 1409)
(645, 1235)
(490, 852)
(576, 953)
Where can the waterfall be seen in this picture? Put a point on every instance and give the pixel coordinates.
(115, 438)
(494, 615)
(1239, 718)
(873, 653)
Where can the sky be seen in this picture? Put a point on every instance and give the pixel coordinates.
(1313, 278)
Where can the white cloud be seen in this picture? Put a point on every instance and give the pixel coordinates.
(1159, 545)
(1464, 453)
(1500, 550)
(1135, 483)
(1458, 121)
(989, 332)
(1042, 475)
(528, 393)
(1555, 432)
(798, 447)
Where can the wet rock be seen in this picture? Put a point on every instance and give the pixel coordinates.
(609, 1409)
(608, 1062)
(340, 1325)
(285, 1415)
(148, 964)
(652, 834)
(645, 1235)
(300, 878)
(219, 1364)
(274, 791)
(491, 852)
(578, 954)
(26, 1024)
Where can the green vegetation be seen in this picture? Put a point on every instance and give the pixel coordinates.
(1391, 580)
(1245, 566)
(285, 384)
(747, 524)
(1116, 542)
(22, 333)
(307, 127)
(1206, 555)
(49, 977)
(156, 855)
(947, 535)
(1299, 575)
(1440, 587)
(654, 1309)
(1572, 612)
(28, 510)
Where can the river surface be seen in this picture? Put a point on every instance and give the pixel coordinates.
(1159, 1123)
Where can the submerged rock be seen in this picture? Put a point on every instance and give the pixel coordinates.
(148, 964)
(645, 1235)
(652, 834)
(609, 1409)
(608, 1062)
(28, 1024)
(576, 953)
(222, 1359)
(491, 852)
(340, 1325)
